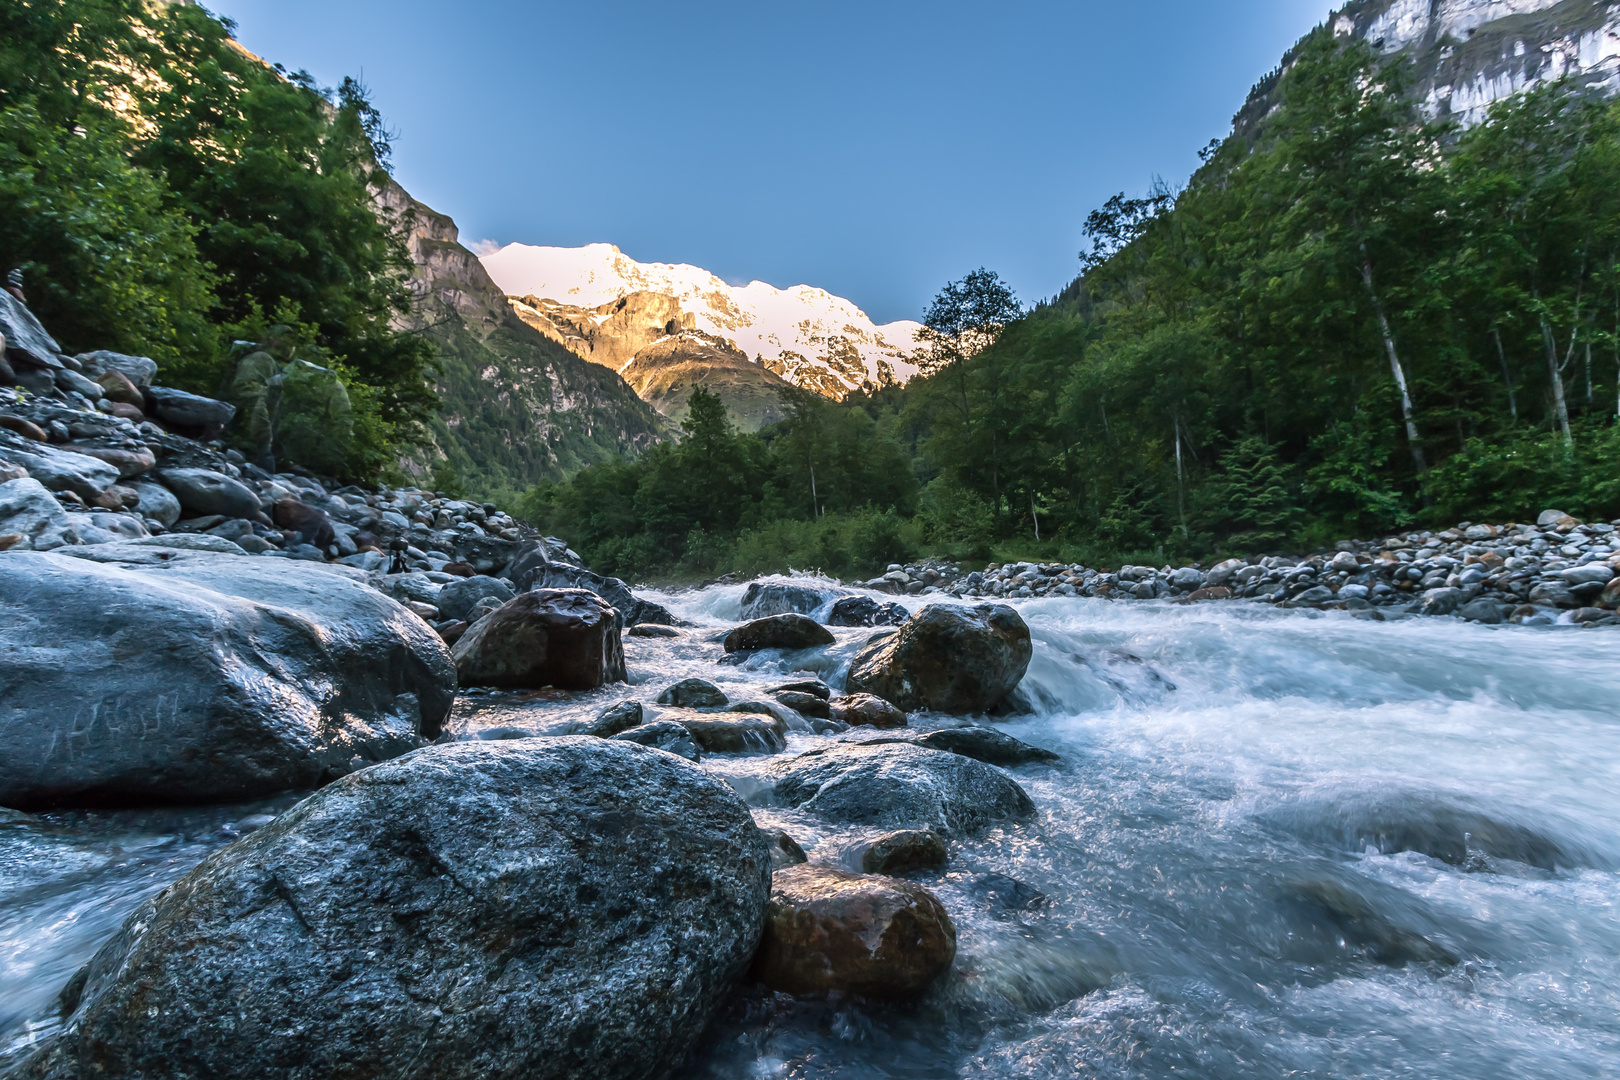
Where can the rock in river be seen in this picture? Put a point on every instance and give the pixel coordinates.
(947, 658)
(175, 676)
(860, 934)
(900, 786)
(778, 632)
(519, 910)
(764, 599)
(567, 638)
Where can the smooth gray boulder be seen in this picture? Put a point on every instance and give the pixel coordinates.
(139, 673)
(32, 514)
(157, 502)
(137, 369)
(203, 491)
(511, 910)
(631, 609)
(59, 470)
(456, 600)
(900, 786)
(182, 410)
(947, 658)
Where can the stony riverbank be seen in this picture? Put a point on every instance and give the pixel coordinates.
(1557, 571)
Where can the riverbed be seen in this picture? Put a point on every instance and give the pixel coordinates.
(1279, 843)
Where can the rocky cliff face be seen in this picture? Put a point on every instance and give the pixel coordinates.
(518, 407)
(1469, 54)
(606, 307)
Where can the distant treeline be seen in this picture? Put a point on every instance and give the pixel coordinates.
(1350, 320)
(167, 194)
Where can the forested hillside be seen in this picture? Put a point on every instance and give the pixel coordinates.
(163, 192)
(1349, 319)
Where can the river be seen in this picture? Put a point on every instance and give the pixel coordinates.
(1280, 844)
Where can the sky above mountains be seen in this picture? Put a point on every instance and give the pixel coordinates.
(874, 149)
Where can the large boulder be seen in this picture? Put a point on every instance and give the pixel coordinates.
(694, 694)
(59, 470)
(26, 341)
(309, 524)
(185, 412)
(859, 934)
(132, 672)
(203, 492)
(157, 502)
(900, 786)
(947, 658)
(764, 599)
(731, 734)
(32, 515)
(139, 370)
(987, 745)
(865, 611)
(567, 638)
(534, 568)
(457, 599)
(519, 910)
(779, 632)
(866, 710)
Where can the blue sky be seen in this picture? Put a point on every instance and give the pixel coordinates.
(873, 149)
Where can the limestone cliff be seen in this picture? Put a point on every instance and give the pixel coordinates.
(1468, 54)
(517, 407)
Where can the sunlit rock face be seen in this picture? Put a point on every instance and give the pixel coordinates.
(609, 308)
(1470, 54)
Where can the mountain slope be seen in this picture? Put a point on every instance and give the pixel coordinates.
(517, 407)
(1468, 54)
(805, 335)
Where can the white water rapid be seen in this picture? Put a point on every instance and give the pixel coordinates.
(1280, 844)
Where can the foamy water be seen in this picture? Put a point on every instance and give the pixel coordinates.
(1280, 844)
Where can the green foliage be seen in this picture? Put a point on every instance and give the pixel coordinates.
(160, 188)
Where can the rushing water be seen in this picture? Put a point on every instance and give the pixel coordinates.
(1280, 844)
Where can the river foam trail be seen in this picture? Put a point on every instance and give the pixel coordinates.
(1280, 844)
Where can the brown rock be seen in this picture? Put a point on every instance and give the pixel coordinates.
(908, 849)
(120, 390)
(309, 525)
(459, 569)
(808, 704)
(117, 497)
(128, 462)
(789, 631)
(10, 471)
(867, 710)
(731, 733)
(450, 633)
(26, 428)
(1212, 592)
(567, 638)
(785, 852)
(860, 934)
(127, 412)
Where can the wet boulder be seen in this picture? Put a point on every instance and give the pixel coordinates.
(947, 658)
(827, 930)
(987, 745)
(308, 524)
(904, 850)
(188, 414)
(694, 694)
(766, 598)
(785, 851)
(900, 786)
(202, 492)
(457, 599)
(615, 720)
(652, 630)
(725, 733)
(664, 735)
(866, 710)
(631, 609)
(567, 638)
(778, 632)
(521, 909)
(59, 470)
(137, 370)
(808, 704)
(865, 611)
(33, 517)
(133, 672)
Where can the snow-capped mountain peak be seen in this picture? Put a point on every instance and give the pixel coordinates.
(804, 334)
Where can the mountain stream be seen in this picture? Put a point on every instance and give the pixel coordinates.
(1279, 844)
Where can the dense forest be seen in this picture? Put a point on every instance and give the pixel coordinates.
(165, 193)
(1349, 320)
